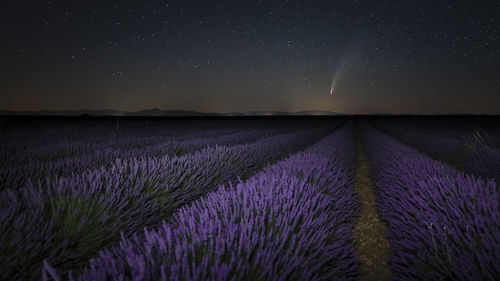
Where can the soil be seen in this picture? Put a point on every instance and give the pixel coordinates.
(372, 246)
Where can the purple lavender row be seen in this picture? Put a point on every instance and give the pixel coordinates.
(66, 141)
(468, 155)
(442, 224)
(488, 136)
(90, 156)
(64, 158)
(457, 128)
(68, 220)
(67, 156)
(24, 150)
(292, 221)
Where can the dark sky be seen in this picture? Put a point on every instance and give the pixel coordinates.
(224, 56)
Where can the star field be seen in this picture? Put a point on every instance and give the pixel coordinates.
(226, 56)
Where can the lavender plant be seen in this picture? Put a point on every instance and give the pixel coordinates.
(292, 221)
(442, 223)
(471, 154)
(67, 220)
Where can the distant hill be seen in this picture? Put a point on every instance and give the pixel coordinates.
(64, 113)
(281, 113)
(157, 113)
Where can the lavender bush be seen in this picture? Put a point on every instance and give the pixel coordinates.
(292, 221)
(442, 224)
(69, 157)
(69, 219)
(466, 153)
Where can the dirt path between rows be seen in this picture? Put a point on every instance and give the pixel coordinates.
(372, 247)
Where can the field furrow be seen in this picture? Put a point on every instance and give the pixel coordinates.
(372, 247)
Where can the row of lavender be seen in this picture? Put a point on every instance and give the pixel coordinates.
(454, 127)
(69, 219)
(442, 224)
(66, 142)
(16, 150)
(31, 141)
(36, 161)
(470, 155)
(70, 157)
(19, 149)
(292, 221)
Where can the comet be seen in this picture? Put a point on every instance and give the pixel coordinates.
(334, 81)
(336, 76)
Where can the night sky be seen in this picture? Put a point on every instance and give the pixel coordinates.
(232, 56)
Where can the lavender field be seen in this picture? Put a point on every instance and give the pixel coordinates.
(249, 199)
